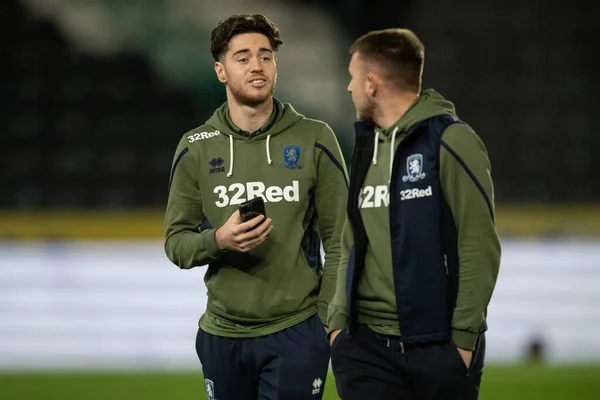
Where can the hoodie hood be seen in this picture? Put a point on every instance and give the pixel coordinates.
(282, 117)
(429, 104)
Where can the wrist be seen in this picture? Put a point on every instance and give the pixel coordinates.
(217, 246)
(219, 239)
(337, 322)
(464, 339)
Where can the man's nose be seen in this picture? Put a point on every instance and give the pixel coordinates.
(255, 65)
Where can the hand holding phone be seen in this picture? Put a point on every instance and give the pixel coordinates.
(252, 208)
(247, 228)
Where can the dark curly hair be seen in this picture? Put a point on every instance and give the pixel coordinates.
(238, 24)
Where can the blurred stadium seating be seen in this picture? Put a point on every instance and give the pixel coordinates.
(103, 116)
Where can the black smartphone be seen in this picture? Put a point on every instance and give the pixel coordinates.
(252, 208)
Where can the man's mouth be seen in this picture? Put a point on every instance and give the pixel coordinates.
(258, 82)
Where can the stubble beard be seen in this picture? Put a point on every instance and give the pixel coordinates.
(367, 113)
(241, 95)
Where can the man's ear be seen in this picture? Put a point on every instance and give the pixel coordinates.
(372, 84)
(220, 71)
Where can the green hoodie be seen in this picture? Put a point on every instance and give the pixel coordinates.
(478, 243)
(296, 165)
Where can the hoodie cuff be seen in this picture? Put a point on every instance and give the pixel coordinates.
(464, 340)
(210, 243)
(337, 323)
(322, 311)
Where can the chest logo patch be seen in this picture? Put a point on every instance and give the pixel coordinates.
(414, 168)
(291, 156)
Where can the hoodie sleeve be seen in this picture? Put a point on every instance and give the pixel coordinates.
(331, 196)
(467, 185)
(337, 318)
(187, 244)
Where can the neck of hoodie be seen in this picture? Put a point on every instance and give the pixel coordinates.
(282, 118)
(428, 104)
(385, 133)
(248, 134)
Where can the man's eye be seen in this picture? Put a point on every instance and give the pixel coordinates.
(243, 60)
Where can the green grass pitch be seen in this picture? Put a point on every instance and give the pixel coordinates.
(500, 382)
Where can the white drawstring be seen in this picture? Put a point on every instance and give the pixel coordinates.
(230, 173)
(392, 151)
(376, 147)
(268, 150)
(230, 156)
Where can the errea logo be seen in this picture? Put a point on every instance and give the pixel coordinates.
(317, 386)
(202, 135)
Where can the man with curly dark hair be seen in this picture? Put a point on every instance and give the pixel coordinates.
(262, 336)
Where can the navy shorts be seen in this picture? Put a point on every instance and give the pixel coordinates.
(291, 364)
